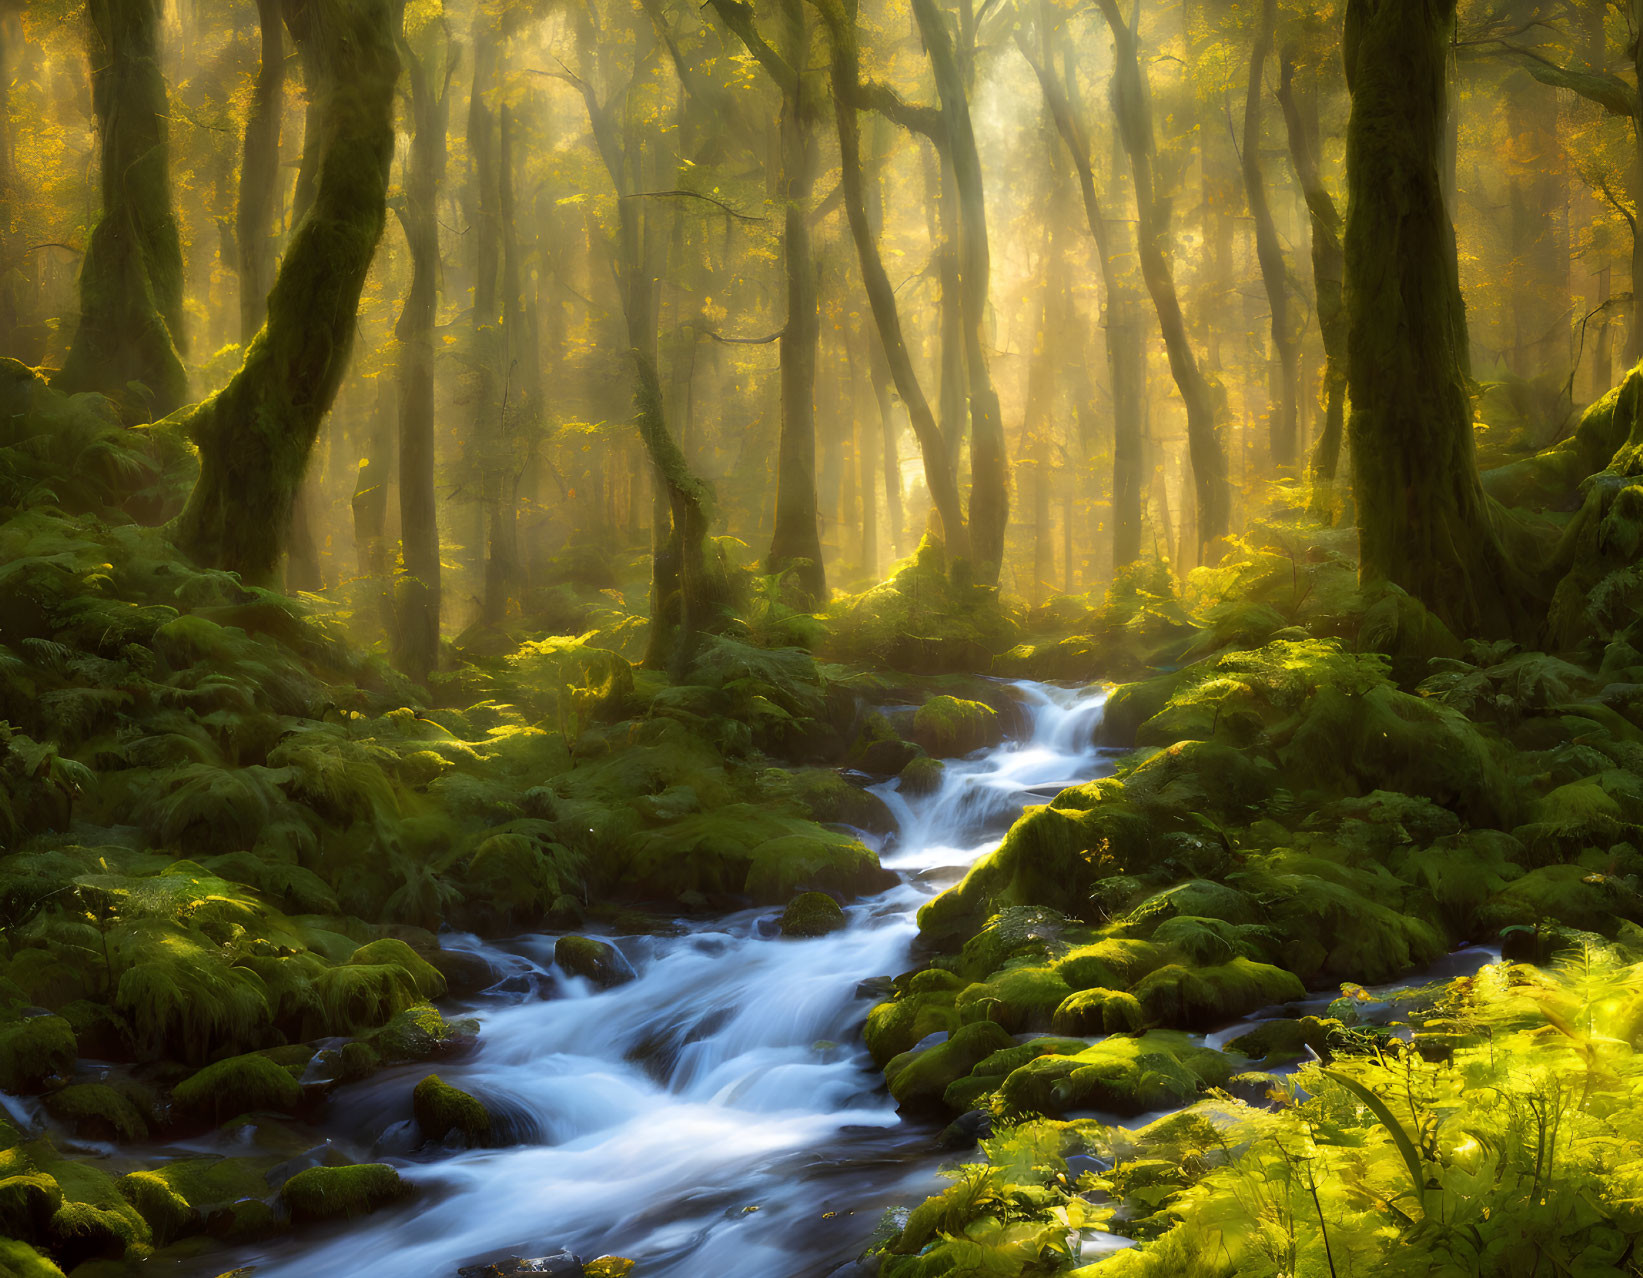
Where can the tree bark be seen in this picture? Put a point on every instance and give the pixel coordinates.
(1284, 431)
(881, 297)
(1204, 445)
(989, 462)
(131, 281)
(259, 175)
(418, 591)
(1423, 520)
(255, 435)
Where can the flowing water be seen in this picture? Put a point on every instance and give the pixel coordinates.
(718, 1114)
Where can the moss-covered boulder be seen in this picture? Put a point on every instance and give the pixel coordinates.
(608, 1267)
(28, 1200)
(1098, 1011)
(1118, 1075)
(1200, 997)
(169, 1215)
(325, 1193)
(228, 1198)
(96, 1111)
(919, 1079)
(442, 1110)
(1018, 998)
(832, 800)
(19, 1260)
(417, 1034)
(238, 1085)
(1286, 1040)
(811, 914)
(33, 1050)
(824, 862)
(949, 727)
(597, 961)
(892, 1028)
(921, 776)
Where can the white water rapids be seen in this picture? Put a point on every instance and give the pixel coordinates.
(717, 1115)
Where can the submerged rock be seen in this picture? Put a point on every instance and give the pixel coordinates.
(598, 961)
(561, 1264)
(441, 1109)
(811, 914)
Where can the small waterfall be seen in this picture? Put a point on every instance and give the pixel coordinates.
(718, 1114)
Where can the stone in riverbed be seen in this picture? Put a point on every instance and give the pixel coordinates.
(811, 914)
(599, 961)
(608, 1267)
(561, 1264)
(441, 1109)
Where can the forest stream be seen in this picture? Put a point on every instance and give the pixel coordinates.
(715, 1115)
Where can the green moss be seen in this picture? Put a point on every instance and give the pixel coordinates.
(1567, 894)
(598, 961)
(811, 914)
(441, 1109)
(1018, 998)
(1097, 1011)
(325, 1193)
(83, 1231)
(830, 799)
(1118, 1075)
(238, 1085)
(921, 776)
(1201, 997)
(949, 727)
(608, 1267)
(1285, 1040)
(228, 1197)
(379, 981)
(1111, 962)
(892, 1028)
(19, 1260)
(168, 1213)
(1016, 934)
(96, 1111)
(33, 1050)
(785, 866)
(920, 1079)
(28, 1201)
(416, 1034)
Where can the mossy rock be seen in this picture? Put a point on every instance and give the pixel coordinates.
(608, 1267)
(82, 1231)
(441, 1109)
(28, 1200)
(1130, 705)
(1098, 1011)
(238, 1085)
(19, 1260)
(1207, 996)
(1118, 1075)
(416, 1034)
(1017, 934)
(893, 1028)
(921, 776)
(169, 1215)
(1112, 962)
(1286, 1040)
(598, 961)
(33, 1050)
(96, 1111)
(920, 1079)
(325, 1193)
(785, 866)
(811, 914)
(1199, 898)
(1018, 998)
(949, 727)
(1569, 895)
(832, 800)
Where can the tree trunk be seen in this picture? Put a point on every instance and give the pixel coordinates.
(131, 281)
(260, 174)
(989, 463)
(1328, 270)
(369, 503)
(255, 435)
(519, 404)
(1204, 445)
(1284, 431)
(938, 471)
(418, 591)
(1423, 520)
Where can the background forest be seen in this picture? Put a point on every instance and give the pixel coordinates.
(686, 564)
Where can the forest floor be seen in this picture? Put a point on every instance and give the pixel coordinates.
(232, 836)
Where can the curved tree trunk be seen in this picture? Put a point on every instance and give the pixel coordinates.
(259, 175)
(1328, 270)
(1423, 520)
(881, 297)
(131, 282)
(255, 435)
(989, 463)
(1208, 454)
(417, 593)
(1284, 428)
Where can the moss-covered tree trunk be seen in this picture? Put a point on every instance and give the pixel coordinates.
(520, 368)
(1283, 435)
(1328, 271)
(418, 591)
(260, 175)
(131, 281)
(989, 462)
(1423, 520)
(881, 296)
(255, 435)
(1204, 445)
